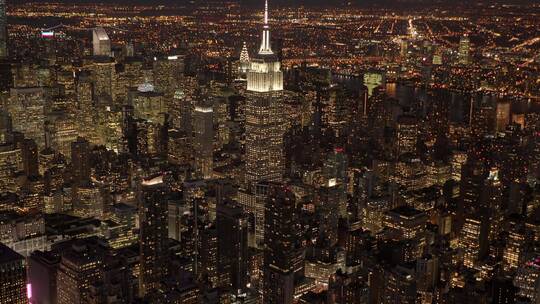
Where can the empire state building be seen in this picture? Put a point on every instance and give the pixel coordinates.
(264, 118)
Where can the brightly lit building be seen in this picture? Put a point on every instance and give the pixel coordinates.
(527, 280)
(203, 141)
(464, 50)
(264, 130)
(153, 232)
(101, 42)
(243, 66)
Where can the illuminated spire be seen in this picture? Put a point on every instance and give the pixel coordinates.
(265, 48)
(266, 13)
(244, 54)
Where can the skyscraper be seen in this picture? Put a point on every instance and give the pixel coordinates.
(80, 161)
(12, 277)
(232, 226)
(264, 130)
(3, 29)
(153, 233)
(283, 253)
(464, 50)
(79, 268)
(101, 42)
(42, 272)
(30, 158)
(243, 67)
(203, 143)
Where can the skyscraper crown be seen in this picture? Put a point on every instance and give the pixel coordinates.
(265, 48)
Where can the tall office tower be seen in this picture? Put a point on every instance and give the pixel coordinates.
(503, 115)
(243, 67)
(168, 72)
(6, 128)
(473, 174)
(124, 216)
(264, 126)
(527, 280)
(515, 249)
(42, 272)
(208, 255)
(3, 30)
(328, 199)
(80, 161)
(103, 74)
(464, 51)
(399, 285)
(85, 108)
(60, 132)
(492, 204)
(147, 103)
(10, 154)
(101, 42)
(403, 49)
(232, 227)
(30, 158)
(484, 121)
(407, 134)
(80, 266)
(182, 112)
(253, 201)
(90, 201)
(408, 224)
(473, 241)
(283, 253)
(27, 109)
(335, 173)
(203, 140)
(427, 273)
(152, 197)
(13, 288)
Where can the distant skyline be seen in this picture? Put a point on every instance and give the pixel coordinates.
(390, 3)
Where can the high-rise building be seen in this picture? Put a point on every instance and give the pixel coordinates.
(283, 253)
(264, 126)
(473, 241)
(89, 273)
(153, 233)
(208, 255)
(243, 66)
(464, 50)
(407, 134)
(503, 115)
(148, 104)
(182, 112)
(80, 161)
(203, 140)
(42, 272)
(101, 42)
(30, 158)
(232, 227)
(3, 30)
(527, 280)
(27, 109)
(13, 288)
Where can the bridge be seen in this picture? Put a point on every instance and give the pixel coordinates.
(81, 28)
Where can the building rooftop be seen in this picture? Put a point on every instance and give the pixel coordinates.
(406, 211)
(101, 34)
(8, 255)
